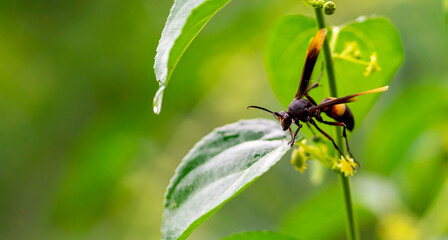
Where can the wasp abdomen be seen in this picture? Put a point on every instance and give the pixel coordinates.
(340, 113)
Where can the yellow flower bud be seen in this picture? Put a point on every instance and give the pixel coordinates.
(373, 65)
(346, 165)
(399, 226)
(329, 8)
(309, 2)
(318, 3)
(298, 159)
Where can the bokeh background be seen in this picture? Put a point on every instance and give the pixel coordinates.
(82, 156)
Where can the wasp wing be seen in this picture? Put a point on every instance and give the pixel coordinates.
(310, 61)
(347, 99)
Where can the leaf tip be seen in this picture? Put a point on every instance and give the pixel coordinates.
(158, 98)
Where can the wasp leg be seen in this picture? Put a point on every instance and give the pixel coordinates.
(310, 99)
(316, 84)
(344, 134)
(290, 132)
(293, 136)
(328, 136)
(293, 140)
(315, 137)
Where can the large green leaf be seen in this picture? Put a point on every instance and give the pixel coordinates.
(286, 50)
(373, 35)
(324, 210)
(220, 166)
(257, 235)
(445, 7)
(285, 54)
(418, 109)
(186, 19)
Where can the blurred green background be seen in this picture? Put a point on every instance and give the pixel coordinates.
(82, 156)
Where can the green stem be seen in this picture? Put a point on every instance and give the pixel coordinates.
(352, 228)
(327, 53)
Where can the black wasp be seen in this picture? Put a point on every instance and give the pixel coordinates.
(307, 110)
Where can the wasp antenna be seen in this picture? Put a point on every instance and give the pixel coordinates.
(261, 108)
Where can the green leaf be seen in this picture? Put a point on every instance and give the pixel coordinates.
(186, 19)
(218, 168)
(257, 235)
(373, 35)
(289, 40)
(322, 216)
(387, 155)
(445, 7)
(285, 54)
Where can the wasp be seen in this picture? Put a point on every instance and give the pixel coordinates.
(308, 111)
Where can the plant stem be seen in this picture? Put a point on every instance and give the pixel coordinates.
(352, 228)
(327, 54)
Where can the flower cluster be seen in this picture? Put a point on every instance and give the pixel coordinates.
(345, 165)
(318, 150)
(329, 7)
(352, 53)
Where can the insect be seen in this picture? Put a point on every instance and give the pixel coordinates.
(307, 110)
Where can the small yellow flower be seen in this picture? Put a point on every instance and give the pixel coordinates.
(399, 226)
(318, 3)
(357, 54)
(373, 65)
(317, 151)
(299, 158)
(352, 53)
(309, 2)
(346, 165)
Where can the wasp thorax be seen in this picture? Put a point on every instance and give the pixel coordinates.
(297, 109)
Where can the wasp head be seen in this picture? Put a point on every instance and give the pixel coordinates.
(284, 118)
